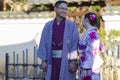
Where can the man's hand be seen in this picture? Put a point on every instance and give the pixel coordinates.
(73, 66)
(44, 65)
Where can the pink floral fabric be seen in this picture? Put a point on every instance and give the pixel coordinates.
(92, 35)
(90, 55)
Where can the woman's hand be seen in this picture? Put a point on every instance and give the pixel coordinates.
(73, 66)
(84, 73)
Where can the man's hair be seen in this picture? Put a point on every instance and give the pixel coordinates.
(59, 2)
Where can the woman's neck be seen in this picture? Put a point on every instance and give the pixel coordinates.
(88, 27)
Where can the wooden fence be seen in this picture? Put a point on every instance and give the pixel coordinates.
(111, 68)
(25, 71)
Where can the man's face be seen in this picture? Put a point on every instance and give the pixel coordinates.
(61, 10)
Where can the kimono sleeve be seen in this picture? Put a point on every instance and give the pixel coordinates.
(93, 40)
(74, 43)
(41, 53)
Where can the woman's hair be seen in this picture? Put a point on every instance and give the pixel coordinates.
(59, 2)
(92, 18)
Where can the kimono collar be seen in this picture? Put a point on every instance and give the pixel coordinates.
(55, 20)
(92, 28)
(87, 32)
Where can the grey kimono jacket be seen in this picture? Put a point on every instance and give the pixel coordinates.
(70, 44)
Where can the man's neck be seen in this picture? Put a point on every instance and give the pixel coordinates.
(58, 19)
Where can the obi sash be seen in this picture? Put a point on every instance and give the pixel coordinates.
(56, 53)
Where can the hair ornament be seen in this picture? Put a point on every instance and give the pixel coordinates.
(92, 17)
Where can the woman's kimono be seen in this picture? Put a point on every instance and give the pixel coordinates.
(90, 60)
(70, 45)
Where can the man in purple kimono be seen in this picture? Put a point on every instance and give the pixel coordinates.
(58, 46)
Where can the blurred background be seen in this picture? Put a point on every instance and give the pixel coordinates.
(21, 24)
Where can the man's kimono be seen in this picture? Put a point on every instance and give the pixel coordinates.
(70, 45)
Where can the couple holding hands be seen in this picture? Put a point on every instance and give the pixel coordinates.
(60, 47)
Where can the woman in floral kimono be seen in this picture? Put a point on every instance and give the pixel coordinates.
(89, 50)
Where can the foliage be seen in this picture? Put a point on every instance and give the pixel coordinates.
(102, 34)
(113, 34)
(98, 21)
(95, 7)
(19, 0)
(72, 9)
(40, 8)
(116, 5)
(111, 38)
(15, 5)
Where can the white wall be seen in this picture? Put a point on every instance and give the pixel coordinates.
(21, 30)
(112, 22)
(17, 35)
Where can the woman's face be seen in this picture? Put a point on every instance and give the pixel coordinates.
(61, 10)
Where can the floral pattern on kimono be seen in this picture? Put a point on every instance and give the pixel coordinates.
(89, 47)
